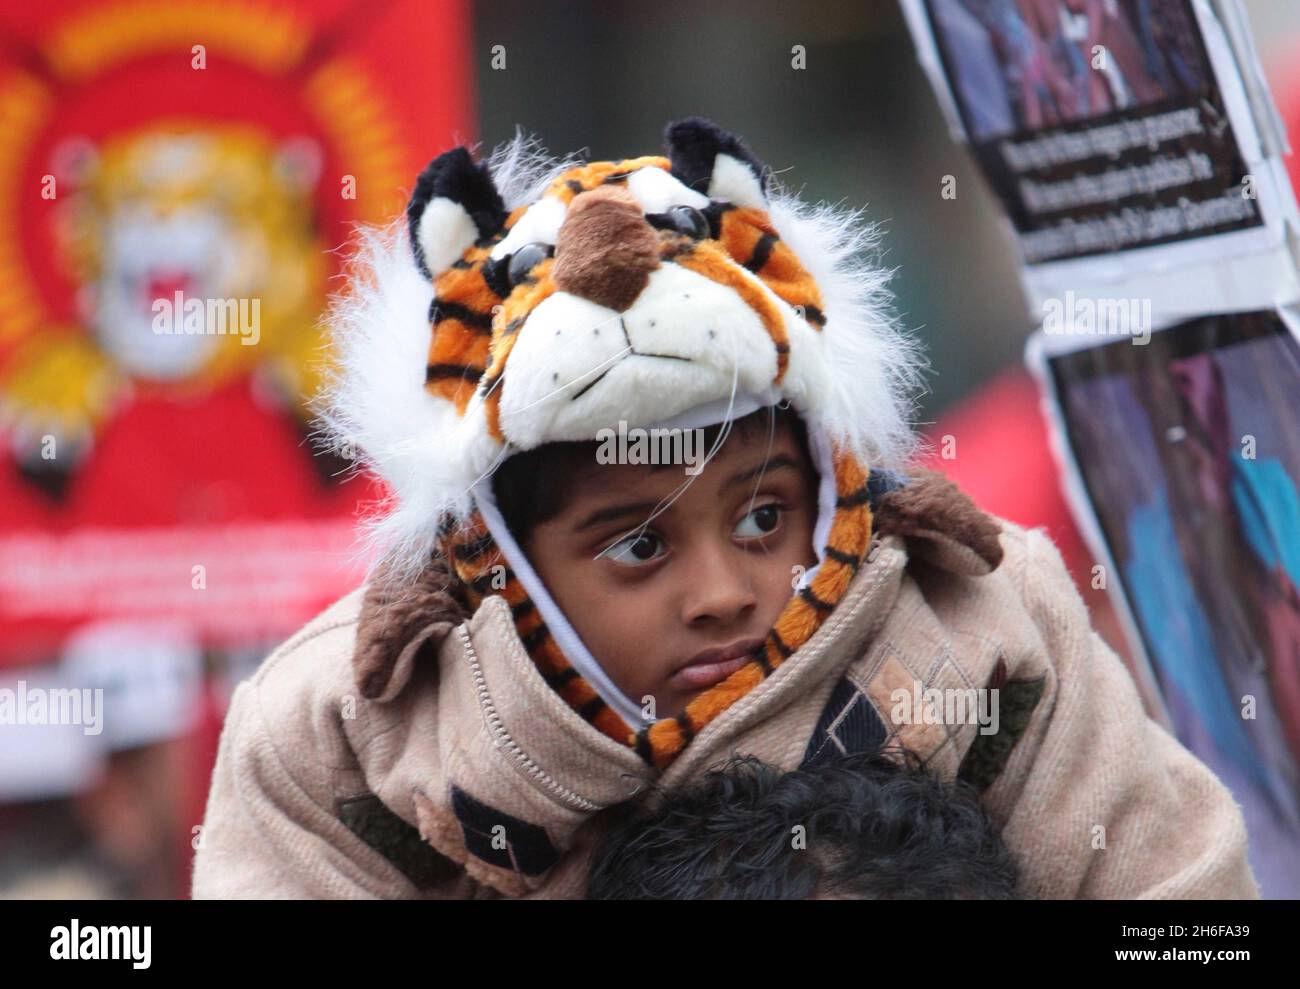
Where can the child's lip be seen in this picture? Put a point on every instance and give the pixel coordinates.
(715, 665)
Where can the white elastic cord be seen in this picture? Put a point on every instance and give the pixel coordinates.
(824, 462)
(564, 634)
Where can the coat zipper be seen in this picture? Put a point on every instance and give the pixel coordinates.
(501, 735)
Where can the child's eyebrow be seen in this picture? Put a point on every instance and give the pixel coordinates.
(764, 467)
(613, 512)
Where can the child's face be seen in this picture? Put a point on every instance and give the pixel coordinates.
(711, 571)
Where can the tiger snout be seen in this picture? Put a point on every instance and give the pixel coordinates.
(605, 250)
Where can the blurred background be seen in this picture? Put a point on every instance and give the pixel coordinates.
(165, 520)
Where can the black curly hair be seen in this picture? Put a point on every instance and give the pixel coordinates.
(872, 828)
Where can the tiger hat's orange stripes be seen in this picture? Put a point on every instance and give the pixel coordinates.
(746, 233)
(587, 177)
(462, 336)
(505, 331)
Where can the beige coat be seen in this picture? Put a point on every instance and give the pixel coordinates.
(467, 776)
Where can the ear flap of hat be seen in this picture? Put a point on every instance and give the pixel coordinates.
(455, 203)
(716, 163)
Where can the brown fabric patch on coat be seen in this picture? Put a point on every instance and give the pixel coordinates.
(988, 754)
(933, 509)
(374, 823)
(393, 614)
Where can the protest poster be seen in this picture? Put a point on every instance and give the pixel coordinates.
(1126, 142)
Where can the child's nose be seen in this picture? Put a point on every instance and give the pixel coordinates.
(719, 587)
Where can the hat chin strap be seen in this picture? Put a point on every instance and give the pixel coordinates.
(575, 651)
(563, 632)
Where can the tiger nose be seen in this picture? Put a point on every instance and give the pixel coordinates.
(605, 250)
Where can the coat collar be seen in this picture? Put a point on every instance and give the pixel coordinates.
(500, 774)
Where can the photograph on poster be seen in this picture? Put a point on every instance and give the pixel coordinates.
(1188, 452)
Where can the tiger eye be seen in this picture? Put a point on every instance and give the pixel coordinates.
(690, 221)
(525, 260)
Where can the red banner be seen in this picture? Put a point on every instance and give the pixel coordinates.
(176, 179)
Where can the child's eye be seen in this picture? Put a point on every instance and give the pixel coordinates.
(765, 518)
(634, 550)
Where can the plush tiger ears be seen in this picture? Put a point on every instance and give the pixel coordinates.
(713, 162)
(455, 203)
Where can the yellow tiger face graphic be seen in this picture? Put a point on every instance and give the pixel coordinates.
(214, 213)
(222, 213)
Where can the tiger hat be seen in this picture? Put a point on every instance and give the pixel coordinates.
(526, 300)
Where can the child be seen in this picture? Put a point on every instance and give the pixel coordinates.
(859, 826)
(559, 619)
